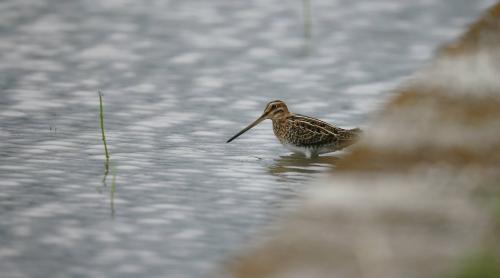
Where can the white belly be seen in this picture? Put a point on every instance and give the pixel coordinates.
(308, 152)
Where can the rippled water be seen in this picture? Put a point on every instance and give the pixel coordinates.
(179, 78)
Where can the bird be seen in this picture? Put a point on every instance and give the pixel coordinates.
(302, 134)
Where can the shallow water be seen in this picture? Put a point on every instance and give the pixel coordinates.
(179, 78)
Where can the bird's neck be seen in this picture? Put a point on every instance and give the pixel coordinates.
(279, 124)
(281, 118)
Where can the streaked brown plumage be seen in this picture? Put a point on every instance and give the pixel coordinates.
(304, 134)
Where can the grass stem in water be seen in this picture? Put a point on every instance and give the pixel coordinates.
(101, 118)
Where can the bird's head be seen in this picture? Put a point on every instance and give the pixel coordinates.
(274, 110)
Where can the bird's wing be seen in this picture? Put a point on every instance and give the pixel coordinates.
(328, 126)
(308, 132)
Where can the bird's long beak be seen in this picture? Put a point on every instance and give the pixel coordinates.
(260, 119)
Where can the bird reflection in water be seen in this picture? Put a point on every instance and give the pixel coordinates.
(301, 167)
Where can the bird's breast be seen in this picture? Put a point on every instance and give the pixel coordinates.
(280, 130)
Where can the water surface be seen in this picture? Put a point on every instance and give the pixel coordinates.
(179, 78)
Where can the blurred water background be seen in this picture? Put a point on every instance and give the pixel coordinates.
(179, 78)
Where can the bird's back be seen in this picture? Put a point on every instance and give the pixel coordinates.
(310, 133)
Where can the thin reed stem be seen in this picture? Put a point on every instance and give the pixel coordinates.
(112, 192)
(101, 118)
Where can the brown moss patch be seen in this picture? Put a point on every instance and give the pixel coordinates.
(483, 33)
(468, 109)
(369, 159)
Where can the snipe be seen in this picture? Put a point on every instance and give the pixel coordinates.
(302, 134)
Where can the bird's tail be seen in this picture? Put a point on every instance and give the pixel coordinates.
(356, 130)
(355, 134)
(349, 137)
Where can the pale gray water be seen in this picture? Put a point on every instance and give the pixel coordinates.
(179, 78)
